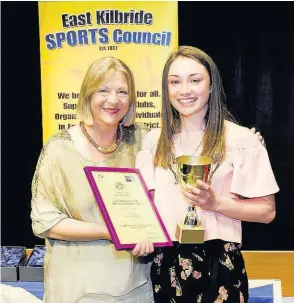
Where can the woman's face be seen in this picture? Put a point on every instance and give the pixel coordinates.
(188, 86)
(110, 103)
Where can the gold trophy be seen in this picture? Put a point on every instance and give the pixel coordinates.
(187, 170)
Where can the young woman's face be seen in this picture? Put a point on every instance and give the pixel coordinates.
(111, 101)
(188, 86)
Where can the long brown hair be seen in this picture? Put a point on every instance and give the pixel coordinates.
(214, 135)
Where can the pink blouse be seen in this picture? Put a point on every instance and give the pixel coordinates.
(246, 171)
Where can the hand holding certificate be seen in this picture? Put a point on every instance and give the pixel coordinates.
(127, 209)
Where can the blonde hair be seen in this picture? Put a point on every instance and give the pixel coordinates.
(214, 135)
(95, 75)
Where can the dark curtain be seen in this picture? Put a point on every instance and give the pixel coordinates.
(252, 43)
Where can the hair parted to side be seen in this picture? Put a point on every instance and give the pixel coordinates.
(95, 75)
(214, 135)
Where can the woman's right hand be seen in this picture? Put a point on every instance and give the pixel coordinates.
(143, 248)
(259, 136)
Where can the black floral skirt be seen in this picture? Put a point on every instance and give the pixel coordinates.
(203, 273)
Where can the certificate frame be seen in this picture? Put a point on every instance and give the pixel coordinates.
(89, 171)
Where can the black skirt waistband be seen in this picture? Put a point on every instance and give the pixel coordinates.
(212, 246)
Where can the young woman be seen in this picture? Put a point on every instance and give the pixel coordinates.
(195, 122)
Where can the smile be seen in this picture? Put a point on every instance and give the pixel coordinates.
(112, 111)
(187, 101)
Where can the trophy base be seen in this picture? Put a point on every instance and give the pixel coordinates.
(190, 235)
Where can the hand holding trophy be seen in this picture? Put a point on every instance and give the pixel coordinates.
(187, 170)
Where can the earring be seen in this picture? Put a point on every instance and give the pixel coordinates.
(124, 119)
(120, 131)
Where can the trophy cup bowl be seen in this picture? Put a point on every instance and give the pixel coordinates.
(187, 170)
(191, 168)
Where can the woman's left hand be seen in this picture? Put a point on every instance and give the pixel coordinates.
(203, 196)
(143, 248)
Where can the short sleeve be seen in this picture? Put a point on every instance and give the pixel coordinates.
(144, 159)
(45, 210)
(253, 175)
(144, 162)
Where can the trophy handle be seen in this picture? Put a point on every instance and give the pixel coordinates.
(217, 160)
(171, 166)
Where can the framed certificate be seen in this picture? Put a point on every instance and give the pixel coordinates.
(126, 206)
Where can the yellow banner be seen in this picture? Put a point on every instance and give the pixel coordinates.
(74, 34)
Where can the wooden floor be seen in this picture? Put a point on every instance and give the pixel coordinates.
(272, 265)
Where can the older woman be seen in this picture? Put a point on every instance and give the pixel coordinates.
(81, 263)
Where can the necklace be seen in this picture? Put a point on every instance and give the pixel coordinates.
(196, 147)
(104, 150)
